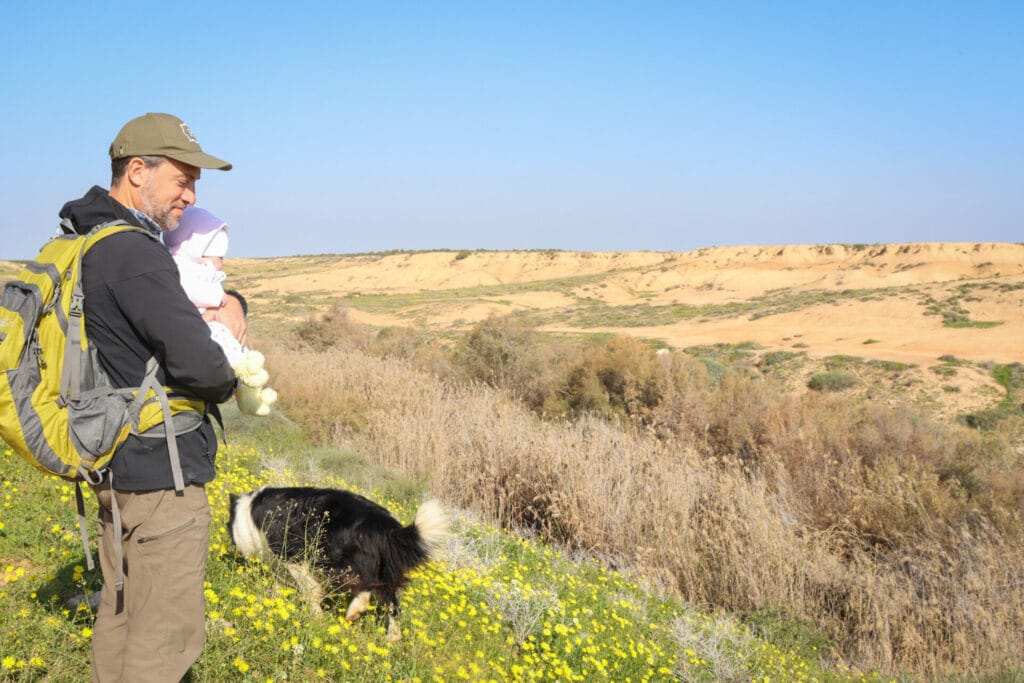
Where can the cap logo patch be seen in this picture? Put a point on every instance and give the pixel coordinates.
(187, 132)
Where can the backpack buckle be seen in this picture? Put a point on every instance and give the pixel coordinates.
(75, 307)
(37, 351)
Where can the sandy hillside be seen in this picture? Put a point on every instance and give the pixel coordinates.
(831, 298)
(910, 304)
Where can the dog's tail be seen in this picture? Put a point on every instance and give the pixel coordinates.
(432, 525)
(412, 545)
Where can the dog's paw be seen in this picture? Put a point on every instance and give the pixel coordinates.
(394, 631)
(358, 605)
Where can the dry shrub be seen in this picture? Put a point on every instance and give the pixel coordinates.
(503, 352)
(495, 351)
(620, 378)
(413, 345)
(855, 518)
(500, 352)
(399, 342)
(333, 329)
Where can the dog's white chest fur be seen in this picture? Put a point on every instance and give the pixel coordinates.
(248, 537)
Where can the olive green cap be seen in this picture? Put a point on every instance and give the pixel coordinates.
(166, 136)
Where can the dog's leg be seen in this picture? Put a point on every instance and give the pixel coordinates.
(358, 605)
(389, 600)
(394, 630)
(308, 585)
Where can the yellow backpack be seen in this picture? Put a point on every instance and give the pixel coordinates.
(58, 409)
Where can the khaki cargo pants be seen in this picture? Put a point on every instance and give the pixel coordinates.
(161, 630)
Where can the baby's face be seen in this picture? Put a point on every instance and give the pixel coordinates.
(216, 261)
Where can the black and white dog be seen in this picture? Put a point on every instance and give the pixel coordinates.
(350, 542)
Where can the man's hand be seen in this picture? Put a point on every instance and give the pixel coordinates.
(231, 316)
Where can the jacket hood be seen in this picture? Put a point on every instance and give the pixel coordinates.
(95, 208)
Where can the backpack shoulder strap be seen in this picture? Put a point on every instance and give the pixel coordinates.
(152, 366)
(71, 377)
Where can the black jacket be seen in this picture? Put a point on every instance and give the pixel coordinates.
(135, 308)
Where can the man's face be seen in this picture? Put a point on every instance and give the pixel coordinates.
(167, 189)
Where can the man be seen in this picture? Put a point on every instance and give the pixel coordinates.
(135, 309)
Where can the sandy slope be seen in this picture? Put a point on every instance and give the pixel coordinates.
(900, 277)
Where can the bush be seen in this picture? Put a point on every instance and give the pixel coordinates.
(833, 380)
(891, 365)
(333, 329)
(988, 419)
(839, 361)
(495, 351)
(773, 358)
(621, 378)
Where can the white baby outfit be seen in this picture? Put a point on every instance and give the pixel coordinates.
(200, 234)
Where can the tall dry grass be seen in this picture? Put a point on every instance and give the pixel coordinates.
(892, 534)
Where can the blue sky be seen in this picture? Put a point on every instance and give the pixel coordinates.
(596, 126)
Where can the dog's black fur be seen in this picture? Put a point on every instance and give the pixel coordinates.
(351, 542)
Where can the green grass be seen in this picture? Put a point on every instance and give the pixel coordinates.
(785, 301)
(586, 311)
(958, 321)
(493, 606)
(724, 353)
(953, 313)
(840, 361)
(598, 314)
(1011, 378)
(777, 358)
(891, 365)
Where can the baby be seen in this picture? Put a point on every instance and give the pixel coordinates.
(199, 246)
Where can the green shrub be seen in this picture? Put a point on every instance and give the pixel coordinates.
(775, 358)
(989, 419)
(1011, 376)
(833, 380)
(716, 370)
(891, 365)
(841, 361)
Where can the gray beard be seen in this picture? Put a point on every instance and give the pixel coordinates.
(162, 218)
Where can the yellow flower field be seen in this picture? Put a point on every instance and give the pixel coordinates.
(492, 607)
